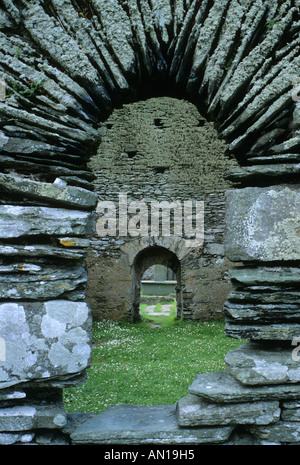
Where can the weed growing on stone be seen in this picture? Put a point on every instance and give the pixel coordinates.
(142, 364)
(33, 88)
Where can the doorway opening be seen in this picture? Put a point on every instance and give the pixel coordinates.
(164, 268)
(158, 294)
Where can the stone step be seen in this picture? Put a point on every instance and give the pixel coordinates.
(153, 424)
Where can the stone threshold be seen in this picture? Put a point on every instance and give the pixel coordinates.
(153, 424)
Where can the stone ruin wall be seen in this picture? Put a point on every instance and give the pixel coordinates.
(66, 66)
(160, 149)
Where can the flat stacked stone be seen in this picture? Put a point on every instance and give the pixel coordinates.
(153, 424)
(262, 229)
(45, 324)
(218, 399)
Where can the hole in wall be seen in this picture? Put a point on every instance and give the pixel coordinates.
(158, 123)
(160, 260)
(132, 154)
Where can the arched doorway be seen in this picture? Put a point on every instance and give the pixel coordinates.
(154, 255)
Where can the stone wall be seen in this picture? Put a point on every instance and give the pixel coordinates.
(65, 66)
(160, 149)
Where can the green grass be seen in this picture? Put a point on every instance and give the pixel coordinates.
(162, 320)
(140, 364)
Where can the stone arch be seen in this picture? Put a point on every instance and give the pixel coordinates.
(154, 255)
(65, 66)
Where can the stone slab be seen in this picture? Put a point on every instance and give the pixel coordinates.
(270, 275)
(263, 332)
(254, 173)
(51, 193)
(41, 282)
(32, 416)
(282, 432)
(43, 340)
(8, 439)
(254, 363)
(262, 313)
(221, 387)
(38, 250)
(290, 410)
(262, 224)
(194, 411)
(154, 424)
(18, 221)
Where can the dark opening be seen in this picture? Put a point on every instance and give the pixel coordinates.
(154, 255)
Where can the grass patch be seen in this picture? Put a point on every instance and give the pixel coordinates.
(162, 320)
(139, 364)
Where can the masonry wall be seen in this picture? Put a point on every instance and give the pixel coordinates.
(154, 150)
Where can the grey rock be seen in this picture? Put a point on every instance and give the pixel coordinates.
(32, 416)
(43, 282)
(7, 439)
(51, 438)
(207, 35)
(194, 411)
(270, 275)
(255, 363)
(38, 250)
(54, 39)
(290, 411)
(262, 224)
(44, 340)
(120, 37)
(251, 173)
(11, 394)
(60, 382)
(155, 424)
(221, 387)
(18, 221)
(283, 432)
(48, 126)
(265, 294)
(74, 420)
(51, 193)
(261, 313)
(253, 62)
(273, 96)
(5, 22)
(263, 332)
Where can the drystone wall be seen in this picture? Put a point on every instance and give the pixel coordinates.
(64, 67)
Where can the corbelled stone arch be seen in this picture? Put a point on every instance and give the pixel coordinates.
(154, 255)
(65, 65)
